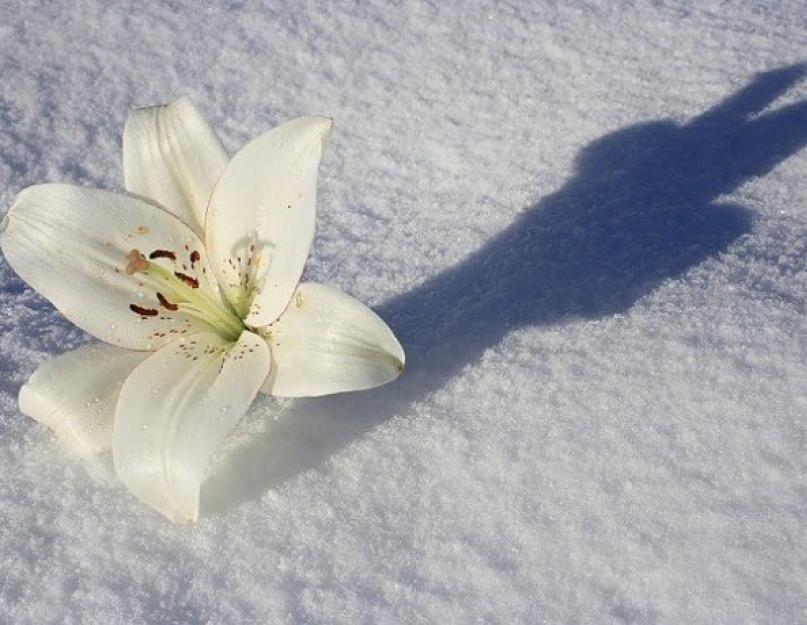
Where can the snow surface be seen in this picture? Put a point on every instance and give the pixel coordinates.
(587, 223)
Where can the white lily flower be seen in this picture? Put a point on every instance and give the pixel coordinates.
(192, 282)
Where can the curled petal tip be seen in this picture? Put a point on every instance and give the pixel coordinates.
(327, 131)
(184, 98)
(397, 356)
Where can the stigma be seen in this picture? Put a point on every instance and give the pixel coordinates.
(135, 262)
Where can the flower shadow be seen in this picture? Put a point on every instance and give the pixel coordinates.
(639, 210)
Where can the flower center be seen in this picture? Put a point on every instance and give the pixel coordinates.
(179, 291)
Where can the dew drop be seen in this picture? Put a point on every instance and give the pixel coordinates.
(144, 427)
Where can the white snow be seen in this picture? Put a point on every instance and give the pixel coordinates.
(587, 223)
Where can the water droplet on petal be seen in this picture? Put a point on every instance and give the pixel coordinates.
(144, 427)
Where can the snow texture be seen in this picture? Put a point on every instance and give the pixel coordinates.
(587, 224)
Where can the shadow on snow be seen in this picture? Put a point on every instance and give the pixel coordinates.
(639, 210)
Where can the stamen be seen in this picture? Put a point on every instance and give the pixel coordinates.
(145, 312)
(191, 282)
(166, 303)
(163, 254)
(136, 262)
(179, 292)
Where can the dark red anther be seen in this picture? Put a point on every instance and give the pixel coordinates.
(162, 254)
(195, 256)
(145, 312)
(166, 303)
(191, 282)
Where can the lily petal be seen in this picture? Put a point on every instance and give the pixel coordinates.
(260, 221)
(74, 394)
(173, 156)
(328, 342)
(174, 411)
(71, 244)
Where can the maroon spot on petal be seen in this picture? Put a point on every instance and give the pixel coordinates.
(195, 256)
